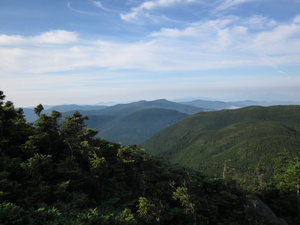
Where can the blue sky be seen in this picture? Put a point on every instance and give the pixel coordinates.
(86, 52)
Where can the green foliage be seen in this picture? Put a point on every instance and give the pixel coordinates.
(252, 146)
(289, 178)
(247, 137)
(38, 166)
(147, 210)
(98, 165)
(126, 217)
(282, 193)
(59, 173)
(11, 213)
(182, 195)
(38, 109)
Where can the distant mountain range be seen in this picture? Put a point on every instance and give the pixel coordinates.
(247, 137)
(132, 123)
(31, 117)
(128, 123)
(218, 105)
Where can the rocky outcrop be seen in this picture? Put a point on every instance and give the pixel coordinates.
(260, 207)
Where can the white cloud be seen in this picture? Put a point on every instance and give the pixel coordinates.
(198, 29)
(56, 37)
(259, 22)
(147, 6)
(224, 5)
(129, 16)
(283, 39)
(10, 58)
(99, 5)
(211, 36)
(11, 39)
(158, 3)
(232, 38)
(50, 37)
(209, 44)
(84, 12)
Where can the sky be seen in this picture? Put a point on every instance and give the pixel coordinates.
(95, 52)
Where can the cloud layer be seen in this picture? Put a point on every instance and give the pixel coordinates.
(170, 46)
(207, 44)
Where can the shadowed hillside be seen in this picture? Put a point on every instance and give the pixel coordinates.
(136, 127)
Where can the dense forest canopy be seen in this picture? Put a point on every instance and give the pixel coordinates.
(253, 145)
(55, 172)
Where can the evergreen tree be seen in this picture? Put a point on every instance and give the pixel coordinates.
(57, 172)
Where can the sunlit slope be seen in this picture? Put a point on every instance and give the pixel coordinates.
(246, 137)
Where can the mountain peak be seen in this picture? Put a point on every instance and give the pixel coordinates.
(161, 100)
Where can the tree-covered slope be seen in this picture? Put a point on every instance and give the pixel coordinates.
(246, 145)
(136, 127)
(259, 147)
(246, 136)
(59, 173)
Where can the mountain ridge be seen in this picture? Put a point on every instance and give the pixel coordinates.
(193, 140)
(204, 105)
(110, 120)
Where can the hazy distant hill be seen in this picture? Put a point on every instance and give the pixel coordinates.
(188, 107)
(127, 109)
(246, 136)
(128, 123)
(217, 105)
(136, 127)
(30, 115)
(66, 108)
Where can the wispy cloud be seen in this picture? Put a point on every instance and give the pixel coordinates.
(227, 4)
(234, 37)
(209, 44)
(99, 5)
(82, 12)
(144, 8)
(135, 49)
(259, 22)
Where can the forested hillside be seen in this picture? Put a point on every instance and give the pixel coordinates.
(59, 173)
(136, 127)
(208, 137)
(250, 145)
